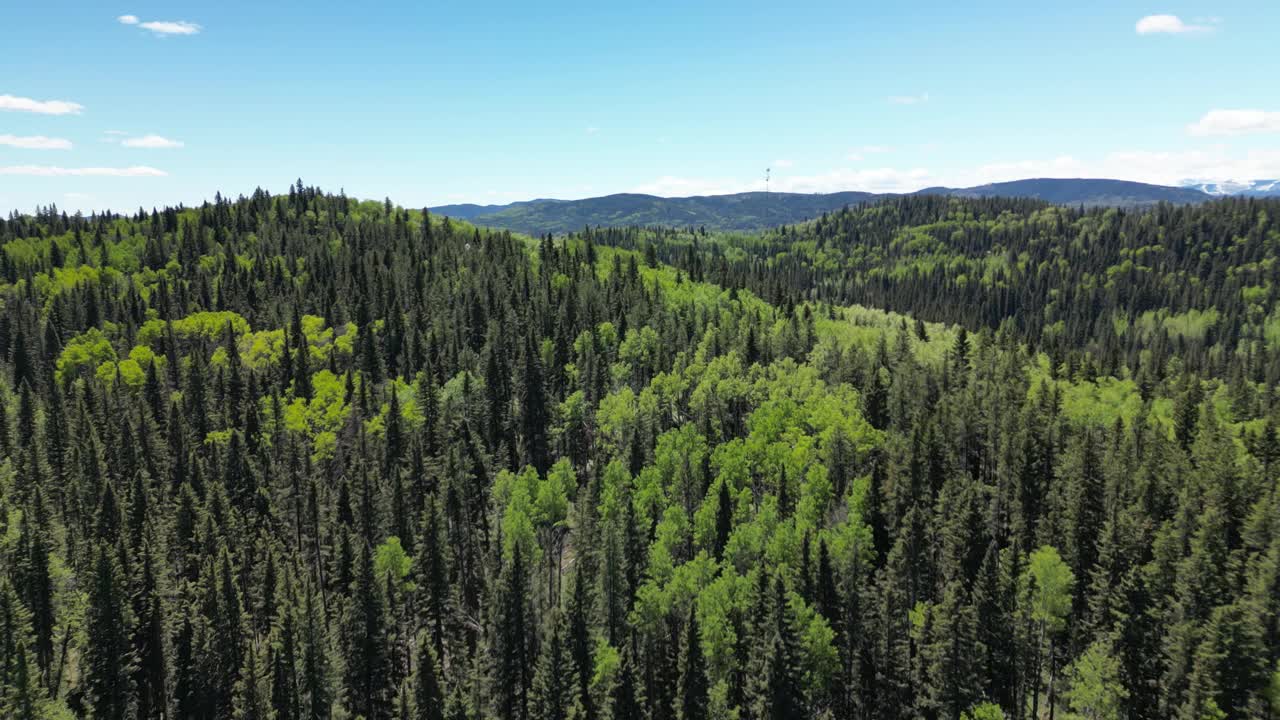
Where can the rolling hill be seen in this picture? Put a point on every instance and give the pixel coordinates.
(742, 211)
(756, 210)
(1087, 192)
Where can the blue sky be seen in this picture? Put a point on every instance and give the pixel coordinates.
(432, 103)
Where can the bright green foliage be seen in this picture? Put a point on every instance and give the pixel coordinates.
(983, 711)
(390, 561)
(87, 350)
(1095, 690)
(1051, 585)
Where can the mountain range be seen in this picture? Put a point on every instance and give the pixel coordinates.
(756, 210)
(1249, 188)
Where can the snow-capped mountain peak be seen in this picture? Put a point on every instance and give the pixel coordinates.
(1248, 188)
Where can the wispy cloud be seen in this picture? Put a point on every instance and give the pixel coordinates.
(1161, 168)
(55, 171)
(161, 27)
(909, 99)
(1157, 167)
(1235, 122)
(153, 142)
(35, 142)
(593, 130)
(43, 107)
(1168, 25)
(172, 27)
(783, 164)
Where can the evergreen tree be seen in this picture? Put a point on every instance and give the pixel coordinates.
(108, 655)
(367, 671)
(428, 696)
(315, 681)
(514, 650)
(693, 697)
(554, 681)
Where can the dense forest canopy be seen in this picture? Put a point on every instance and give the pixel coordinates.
(1121, 291)
(299, 456)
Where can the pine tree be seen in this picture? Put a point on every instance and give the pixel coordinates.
(627, 704)
(513, 645)
(37, 585)
(778, 689)
(108, 657)
(534, 416)
(315, 686)
(22, 697)
(949, 655)
(188, 683)
(432, 576)
(578, 637)
(368, 678)
(151, 674)
(693, 697)
(555, 682)
(428, 696)
(724, 519)
(252, 698)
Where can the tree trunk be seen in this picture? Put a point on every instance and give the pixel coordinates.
(1053, 670)
(1035, 686)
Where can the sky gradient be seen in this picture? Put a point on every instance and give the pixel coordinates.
(147, 104)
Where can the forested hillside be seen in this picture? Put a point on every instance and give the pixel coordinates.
(1111, 292)
(753, 211)
(299, 456)
(740, 211)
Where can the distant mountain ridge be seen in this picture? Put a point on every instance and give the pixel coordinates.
(741, 211)
(1090, 192)
(1248, 188)
(756, 210)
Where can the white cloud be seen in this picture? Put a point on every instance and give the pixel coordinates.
(1235, 122)
(43, 107)
(1159, 168)
(592, 130)
(909, 99)
(151, 142)
(161, 27)
(171, 27)
(54, 171)
(1167, 24)
(783, 164)
(35, 142)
